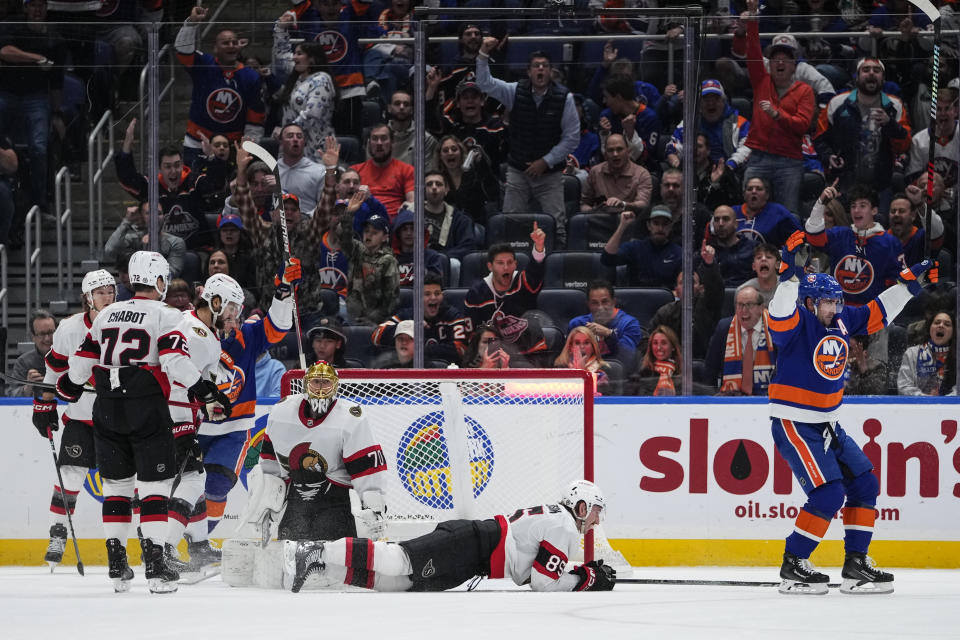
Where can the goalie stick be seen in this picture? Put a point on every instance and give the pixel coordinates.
(934, 14)
(265, 157)
(43, 386)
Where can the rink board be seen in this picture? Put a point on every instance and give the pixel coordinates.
(688, 481)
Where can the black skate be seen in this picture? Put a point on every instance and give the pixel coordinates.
(300, 560)
(58, 542)
(120, 571)
(860, 575)
(172, 557)
(160, 577)
(202, 554)
(801, 577)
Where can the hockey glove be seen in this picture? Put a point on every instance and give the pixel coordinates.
(45, 417)
(185, 439)
(789, 256)
(288, 277)
(374, 522)
(216, 405)
(920, 274)
(595, 576)
(68, 390)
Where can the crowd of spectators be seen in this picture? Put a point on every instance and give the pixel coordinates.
(547, 168)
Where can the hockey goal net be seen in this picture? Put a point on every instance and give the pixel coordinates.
(469, 443)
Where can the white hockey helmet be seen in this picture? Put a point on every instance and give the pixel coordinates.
(94, 280)
(228, 290)
(586, 492)
(146, 267)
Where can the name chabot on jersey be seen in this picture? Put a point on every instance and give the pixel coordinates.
(133, 317)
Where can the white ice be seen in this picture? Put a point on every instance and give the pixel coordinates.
(35, 604)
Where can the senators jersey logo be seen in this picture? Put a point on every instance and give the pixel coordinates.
(830, 357)
(306, 464)
(334, 45)
(854, 273)
(224, 105)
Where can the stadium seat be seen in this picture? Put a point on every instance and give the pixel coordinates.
(729, 302)
(351, 151)
(329, 302)
(590, 231)
(474, 266)
(406, 298)
(454, 297)
(371, 113)
(555, 339)
(515, 229)
(699, 369)
(616, 374)
(743, 105)
(286, 349)
(571, 195)
(575, 270)
(359, 345)
(642, 302)
(560, 305)
(454, 280)
(518, 53)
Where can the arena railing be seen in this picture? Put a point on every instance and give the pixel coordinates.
(165, 92)
(97, 163)
(31, 260)
(64, 212)
(3, 284)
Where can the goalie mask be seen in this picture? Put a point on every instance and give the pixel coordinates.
(94, 280)
(222, 286)
(588, 493)
(320, 384)
(148, 268)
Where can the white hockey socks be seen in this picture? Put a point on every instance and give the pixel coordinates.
(118, 508)
(182, 505)
(73, 478)
(385, 558)
(153, 509)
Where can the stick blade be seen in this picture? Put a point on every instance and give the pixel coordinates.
(927, 7)
(79, 567)
(261, 154)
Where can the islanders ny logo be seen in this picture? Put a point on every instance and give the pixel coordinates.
(224, 105)
(423, 460)
(854, 273)
(830, 357)
(334, 45)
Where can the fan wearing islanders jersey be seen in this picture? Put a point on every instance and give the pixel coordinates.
(811, 329)
(77, 452)
(226, 96)
(530, 546)
(320, 445)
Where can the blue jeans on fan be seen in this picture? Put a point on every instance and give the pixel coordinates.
(785, 176)
(27, 118)
(389, 72)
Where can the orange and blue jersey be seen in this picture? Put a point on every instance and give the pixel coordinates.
(807, 385)
(863, 263)
(339, 40)
(224, 101)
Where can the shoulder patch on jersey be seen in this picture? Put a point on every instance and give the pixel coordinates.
(200, 332)
(356, 411)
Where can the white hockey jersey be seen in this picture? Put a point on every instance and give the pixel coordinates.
(338, 448)
(66, 339)
(538, 544)
(135, 333)
(203, 345)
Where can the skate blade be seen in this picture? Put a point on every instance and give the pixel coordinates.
(289, 562)
(792, 587)
(53, 565)
(120, 585)
(861, 587)
(193, 577)
(161, 586)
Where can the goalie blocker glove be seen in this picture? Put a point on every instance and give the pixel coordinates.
(595, 576)
(288, 277)
(920, 274)
(45, 417)
(216, 405)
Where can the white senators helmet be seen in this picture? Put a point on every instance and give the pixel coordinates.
(222, 286)
(586, 492)
(94, 280)
(146, 267)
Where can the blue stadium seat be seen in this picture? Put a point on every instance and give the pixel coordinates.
(590, 231)
(571, 195)
(555, 339)
(642, 302)
(406, 298)
(575, 270)
(359, 346)
(518, 53)
(454, 297)
(616, 374)
(454, 280)
(561, 305)
(729, 302)
(371, 113)
(474, 266)
(351, 152)
(515, 229)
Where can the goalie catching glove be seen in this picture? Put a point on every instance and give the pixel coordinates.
(371, 515)
(216, 405)
(45, 417)
(920, 274)
(288, 277)
(595, 576)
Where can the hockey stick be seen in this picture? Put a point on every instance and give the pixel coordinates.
(707, 583)
(43, 386)
(66, 505)
(264, 156)
(934, 14)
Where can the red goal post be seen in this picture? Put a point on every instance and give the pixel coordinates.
(472, 443)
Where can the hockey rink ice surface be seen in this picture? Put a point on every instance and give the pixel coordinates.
(35, 604)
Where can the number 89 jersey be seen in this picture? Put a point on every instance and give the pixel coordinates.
(338, 447)
(539, 543)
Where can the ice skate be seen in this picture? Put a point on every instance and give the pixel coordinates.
(301, 559)
(120, 572)
(202, 554)
(801, 577)
(860, 575)
(58, 541)
(160, 577)
(172, 557)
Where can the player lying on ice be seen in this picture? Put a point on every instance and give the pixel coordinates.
(532, 546)
(811, 329)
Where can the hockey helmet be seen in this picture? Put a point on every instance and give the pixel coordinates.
(146, 267)
(320, 384)
(222, 286)
(820, 286)
(586, 492)
(93, 280)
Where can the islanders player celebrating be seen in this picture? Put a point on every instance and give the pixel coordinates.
(811, 329)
